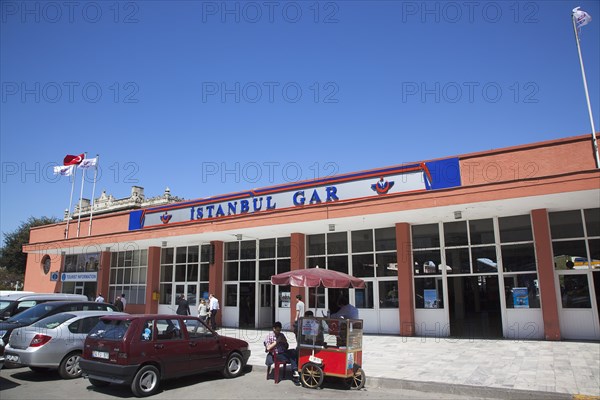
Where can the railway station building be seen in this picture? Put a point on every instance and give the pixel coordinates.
(502, 243)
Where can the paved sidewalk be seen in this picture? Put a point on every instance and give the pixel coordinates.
(483, 368)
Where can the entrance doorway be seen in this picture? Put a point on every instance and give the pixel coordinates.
(266, 309)
(474, 304)
(577, 308)
(87, 288)
(247, 305)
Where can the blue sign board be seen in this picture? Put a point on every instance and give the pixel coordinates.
(425, 176)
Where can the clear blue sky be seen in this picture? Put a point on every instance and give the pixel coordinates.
(210, 99)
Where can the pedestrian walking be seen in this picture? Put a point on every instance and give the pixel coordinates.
(202, 310)
(183, 307)
(213, 306)
(119, 304)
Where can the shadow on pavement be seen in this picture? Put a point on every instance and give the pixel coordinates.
(42, 376)
(124, 391)
(8, 384)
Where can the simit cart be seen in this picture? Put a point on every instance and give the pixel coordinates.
(330, 347)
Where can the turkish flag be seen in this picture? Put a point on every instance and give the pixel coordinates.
(73, 160)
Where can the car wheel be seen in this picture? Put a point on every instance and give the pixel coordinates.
(69, 366)
(234, 366)
(39, 369)
(98, 383)
(146, 381)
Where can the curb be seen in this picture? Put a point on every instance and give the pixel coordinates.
(461, 390)
(467, 390)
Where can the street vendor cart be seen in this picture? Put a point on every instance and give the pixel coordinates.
(327, 346)
(330, 347)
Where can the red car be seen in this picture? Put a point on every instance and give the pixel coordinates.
(141, 350)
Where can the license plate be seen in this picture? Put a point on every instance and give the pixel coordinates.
(12, 358)
(100, 354)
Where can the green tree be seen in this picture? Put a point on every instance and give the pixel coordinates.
(11, 254)
(8, 279)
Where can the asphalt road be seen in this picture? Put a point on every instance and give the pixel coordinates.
(22, 383)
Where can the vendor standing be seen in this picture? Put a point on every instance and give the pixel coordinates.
(299, 314)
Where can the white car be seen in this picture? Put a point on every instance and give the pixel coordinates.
(54, 342)
(1, 353)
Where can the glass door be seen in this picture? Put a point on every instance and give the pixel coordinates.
(474, 305)
(79, 288)
(266, 309)
(247, 309)
(596, 280)
(577, 294)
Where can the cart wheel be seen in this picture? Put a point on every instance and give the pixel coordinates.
(311, 376)
(357, 381)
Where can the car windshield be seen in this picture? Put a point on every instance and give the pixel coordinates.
(4, 304)
(33, 314)
(110, 329)
(53, 321)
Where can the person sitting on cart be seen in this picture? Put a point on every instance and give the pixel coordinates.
(277, 341)
(346, 310)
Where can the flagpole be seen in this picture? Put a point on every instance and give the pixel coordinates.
(93, 194)
(80, 197)
(587, 95)
(70, 203)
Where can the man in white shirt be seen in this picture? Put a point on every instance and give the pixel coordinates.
(299, 308)
(213, 306)
(100, 298)
(123, 301)
(299, 314)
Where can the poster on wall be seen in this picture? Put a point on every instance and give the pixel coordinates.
(520, 297)
(285, 299)
(430, 298)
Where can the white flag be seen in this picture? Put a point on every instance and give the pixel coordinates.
(89, 163)
(581, 17)
(65, 170)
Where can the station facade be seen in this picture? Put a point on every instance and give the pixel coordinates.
(495, 244)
